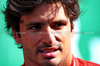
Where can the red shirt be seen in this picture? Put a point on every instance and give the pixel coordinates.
(80, 62)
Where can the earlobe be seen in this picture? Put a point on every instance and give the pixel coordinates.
(72, 30)
(72, 33)
(16, 37)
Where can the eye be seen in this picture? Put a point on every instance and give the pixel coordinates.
(58, 26)
(35, 27)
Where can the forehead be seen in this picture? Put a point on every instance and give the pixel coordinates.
(46, 12)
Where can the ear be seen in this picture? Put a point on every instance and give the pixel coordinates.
(16, 37)
(72, 30)
(72, 33)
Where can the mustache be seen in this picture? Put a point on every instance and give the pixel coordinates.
(45, 45)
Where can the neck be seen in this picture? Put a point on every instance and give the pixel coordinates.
(68, 61)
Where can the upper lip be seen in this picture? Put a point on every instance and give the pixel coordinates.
(49, 49)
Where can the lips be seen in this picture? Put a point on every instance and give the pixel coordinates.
(49, 52)
(48, 49)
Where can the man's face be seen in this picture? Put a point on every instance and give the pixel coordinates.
(47, 36)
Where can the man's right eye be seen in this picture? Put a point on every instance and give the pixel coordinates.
(35, 27)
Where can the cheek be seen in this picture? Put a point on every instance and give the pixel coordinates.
(66, 40)
(65, 35)
(66, 45)
(29, 43)
(29, 40)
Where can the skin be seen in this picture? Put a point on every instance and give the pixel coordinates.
(46, 26)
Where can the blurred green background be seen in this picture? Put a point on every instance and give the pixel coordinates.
(88, 43)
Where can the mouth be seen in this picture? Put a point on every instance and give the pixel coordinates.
(49, 52)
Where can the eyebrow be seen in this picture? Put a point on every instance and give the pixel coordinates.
(61, 21)
(42, 23)
(35, 23)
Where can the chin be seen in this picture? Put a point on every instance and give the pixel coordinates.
(50, 62)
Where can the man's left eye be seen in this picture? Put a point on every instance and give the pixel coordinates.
(58, 26)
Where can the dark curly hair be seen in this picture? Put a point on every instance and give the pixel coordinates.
(17, 8)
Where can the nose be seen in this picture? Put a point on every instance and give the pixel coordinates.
(49, 36)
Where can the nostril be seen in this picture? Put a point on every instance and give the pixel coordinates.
(57, 39)
(46, 44)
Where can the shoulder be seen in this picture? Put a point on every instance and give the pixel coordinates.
(85, 63)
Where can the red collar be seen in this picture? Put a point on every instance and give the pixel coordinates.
(23, 64)
(73, 61)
